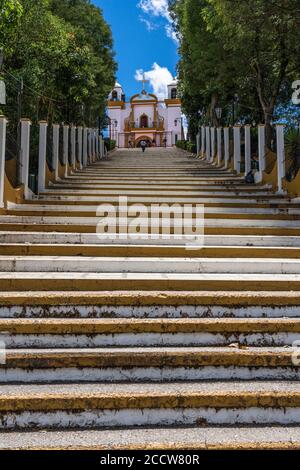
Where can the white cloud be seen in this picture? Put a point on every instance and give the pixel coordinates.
(149, 25)
(158, 8)
(159, 77)
(155, 7)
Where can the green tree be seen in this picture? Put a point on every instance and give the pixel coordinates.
(230, 47)
(66, 62)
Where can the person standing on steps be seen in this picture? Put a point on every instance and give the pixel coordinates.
(143, 145)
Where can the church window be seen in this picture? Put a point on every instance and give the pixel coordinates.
(114, 95)
(173, 93)
(144, 121)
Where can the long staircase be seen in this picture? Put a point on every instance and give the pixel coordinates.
(118, 343)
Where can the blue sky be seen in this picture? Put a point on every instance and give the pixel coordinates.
(143, 40)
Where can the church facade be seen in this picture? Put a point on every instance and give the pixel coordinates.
(145, 117)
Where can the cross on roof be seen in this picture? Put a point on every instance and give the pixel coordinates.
(143, 81)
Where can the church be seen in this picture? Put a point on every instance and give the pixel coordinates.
(145, 117)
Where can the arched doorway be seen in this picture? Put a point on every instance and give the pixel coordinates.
(146, 139)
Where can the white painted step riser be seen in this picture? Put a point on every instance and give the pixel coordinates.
(147, 339)
(148, 417)
(211, 311)
(147, 192)
(170, 200)
(119, 280)
(92, 239)
(208, 209)
(150, 185)
(147, 265)
(144, 374)
(145, 223)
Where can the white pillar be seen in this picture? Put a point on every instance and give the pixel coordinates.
(226, 146)
(202, 141)
(85, 147)
(73, 147)
(261, 151)
(247, 148)
(3, 123)
(237, 148)
(42, 155)
(207, 150)
(198, 137)
(280, 156)
(55, 153)
(97, 145)
(94, 146)
(90, 145)
(66, 148)
(212, 144)
(24, 154)
(219, 145)
(79, 139)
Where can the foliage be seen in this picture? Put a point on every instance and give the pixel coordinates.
(292, 147)
(186, 145)
(10, 13)
(241, 55)
(62, 50)
(110, 144)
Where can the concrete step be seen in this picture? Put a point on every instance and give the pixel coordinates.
(84, 239)
(83, 281)
(209, 212)
(150, 304)
(119, 332)
(153, 192)
(155, 364)
(105, 183)
(168, 251)
(147, 222)
(158, 438)
(155, 199)
(128, 405)
(153, 265)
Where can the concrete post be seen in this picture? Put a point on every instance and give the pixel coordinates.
(97, 146)
(202, 141)
(90, 146)
(212, 144)
(3, 124)
(198, 138)
(24, 155)
(226, 146)
(55, 153)
(237, 148)
(280, 156)
(79, 138)
(85, 147)
(247, 148)
(94, 144)
(73, 147)
(261, 151)
(42, 156)
(207, 150)
(219, 145)
(66, 148)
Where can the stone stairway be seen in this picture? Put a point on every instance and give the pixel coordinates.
(121, 343)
